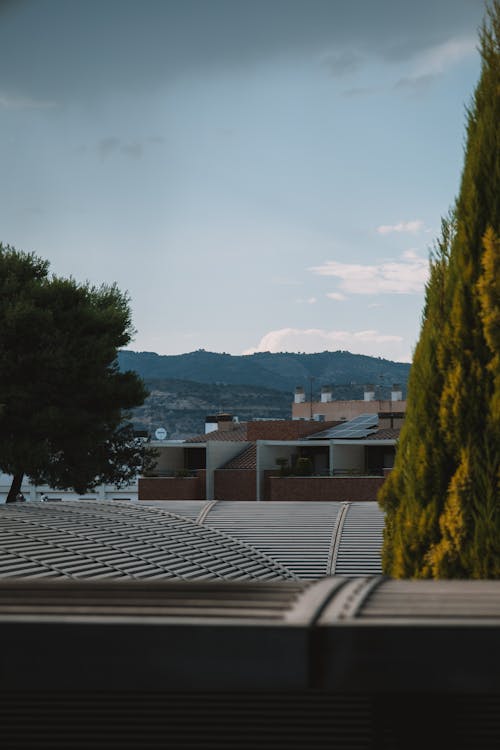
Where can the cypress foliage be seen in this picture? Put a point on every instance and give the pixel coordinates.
(442, 498)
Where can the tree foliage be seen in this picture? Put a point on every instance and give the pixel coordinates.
(64, 402)
(442, 498)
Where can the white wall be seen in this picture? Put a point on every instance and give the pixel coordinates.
(348, 457)
(171, 458)
(269, 453)
(34, 492)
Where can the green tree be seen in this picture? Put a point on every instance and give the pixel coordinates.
(442, 499)
(64, 402)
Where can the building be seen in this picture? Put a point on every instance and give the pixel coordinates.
(327, 409)
(275, 460)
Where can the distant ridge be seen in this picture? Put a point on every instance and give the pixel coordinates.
(282, 371)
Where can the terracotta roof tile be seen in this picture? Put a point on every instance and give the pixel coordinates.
(247, 459)
(387, 434)
(239, 433)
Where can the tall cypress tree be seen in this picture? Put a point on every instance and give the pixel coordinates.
(442, 499)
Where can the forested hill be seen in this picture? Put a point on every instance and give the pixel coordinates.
(280, 371)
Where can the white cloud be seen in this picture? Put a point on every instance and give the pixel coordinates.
(442, 56)
(310, 340)
(336, 296)
(403, 226)
(405, 276)
(410, 254)
(436, 60)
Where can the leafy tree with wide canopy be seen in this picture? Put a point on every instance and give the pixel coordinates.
(64, 404)
(442, 499)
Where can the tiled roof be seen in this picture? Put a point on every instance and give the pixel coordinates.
(247, 459)
(239, 433)
(387, 434)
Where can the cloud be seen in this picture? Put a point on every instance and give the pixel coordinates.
(336, 296)
(343, 63)
(134, 150)
(441, 57)
(108, 146)
(436, 60)
(405, 276)
(404, 226)
(20, 102)
(137, 50)
(415, 84)
(311, 340)
(359, 91)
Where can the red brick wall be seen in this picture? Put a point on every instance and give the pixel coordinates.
(284, 429)
(266, 489)
(235, 484)
(324, 488)
(172, 488)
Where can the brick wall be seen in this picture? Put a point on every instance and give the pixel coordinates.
(172, 488)
(324, 488)
(235, 484)
(284, 429)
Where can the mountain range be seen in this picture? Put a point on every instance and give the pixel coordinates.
(185, 388)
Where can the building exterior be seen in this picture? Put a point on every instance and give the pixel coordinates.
(274, 460)
(328, 409)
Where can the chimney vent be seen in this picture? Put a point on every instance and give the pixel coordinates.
(300, 395)
(215, 421)
(396, 393)
(369, 392)
(326, 394)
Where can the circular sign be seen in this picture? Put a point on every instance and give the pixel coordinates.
(160, 433)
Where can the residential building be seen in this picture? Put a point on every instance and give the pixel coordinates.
(327, 409)
(275, 460)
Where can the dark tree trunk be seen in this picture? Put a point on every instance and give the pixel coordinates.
(15, 487)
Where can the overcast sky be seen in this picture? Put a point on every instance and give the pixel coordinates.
(257, 175)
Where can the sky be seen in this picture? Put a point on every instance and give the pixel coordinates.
(256, 175)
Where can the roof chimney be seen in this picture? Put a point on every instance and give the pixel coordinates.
(369, 392)
(210, 424)
(326, 394)
(217, 421)
(300, 395)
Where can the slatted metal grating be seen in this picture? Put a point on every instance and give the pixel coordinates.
(362, 663)
(424, 600)
(191, 539)
(112, 540)
(139, 600)
(312, 539)
(360, 543)
(297, 534)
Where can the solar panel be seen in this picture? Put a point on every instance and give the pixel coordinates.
(359, 427)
